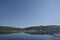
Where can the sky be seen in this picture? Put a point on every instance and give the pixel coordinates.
(25, 13)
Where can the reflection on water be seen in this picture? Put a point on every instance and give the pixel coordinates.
(30, 36)
(55, 34)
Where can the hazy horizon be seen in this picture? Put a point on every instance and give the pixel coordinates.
(25, 13)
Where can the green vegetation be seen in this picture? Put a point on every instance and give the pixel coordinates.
(34, 29)
(43, 29)
(6, 29)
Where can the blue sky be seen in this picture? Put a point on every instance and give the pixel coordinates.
(25, 13)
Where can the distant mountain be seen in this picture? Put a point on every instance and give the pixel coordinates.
(48, 28)
(42, 27)
(32, 29)
(9, 29)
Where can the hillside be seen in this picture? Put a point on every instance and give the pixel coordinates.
(8, 29)
(32, 29)
(44, 29)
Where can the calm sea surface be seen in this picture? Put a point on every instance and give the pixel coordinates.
(24, 36)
